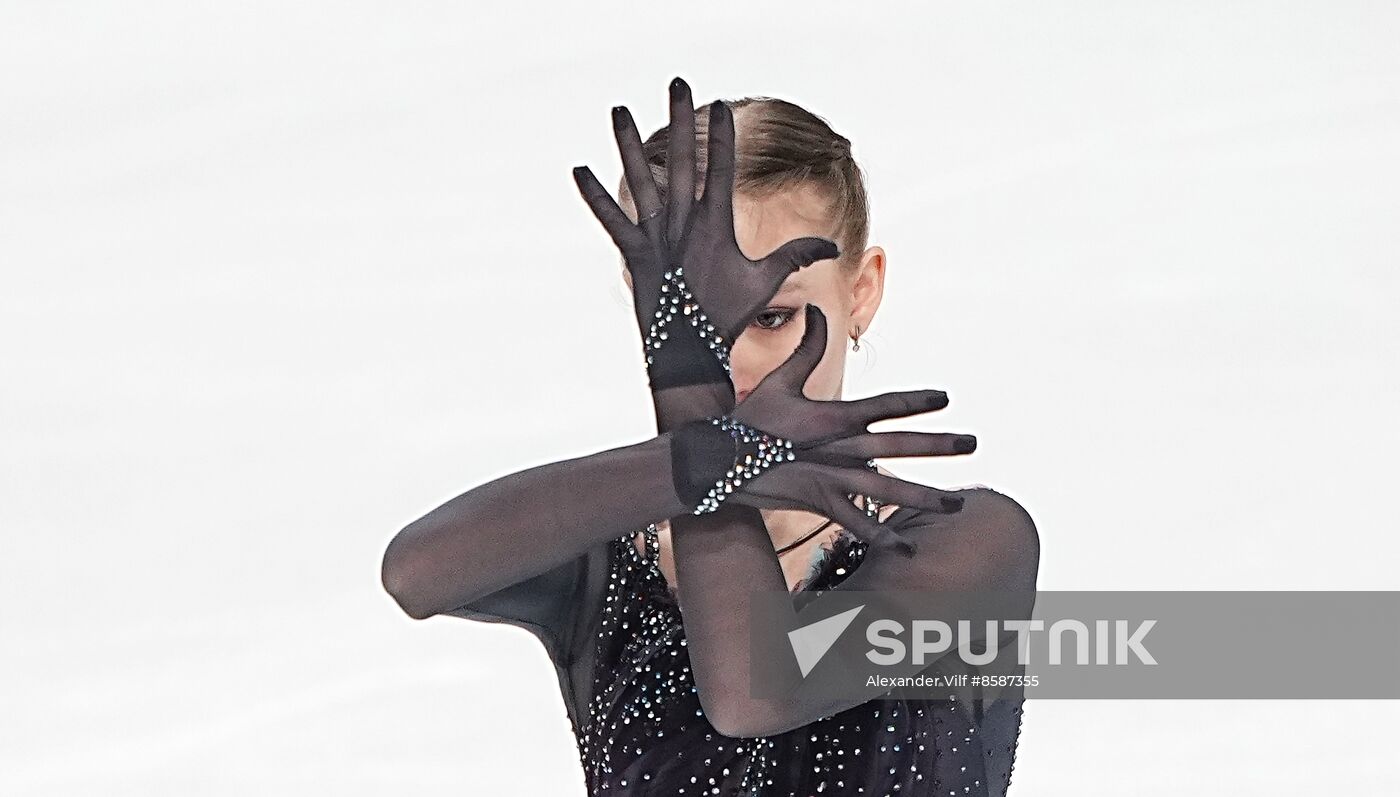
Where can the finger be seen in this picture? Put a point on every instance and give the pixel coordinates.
(896, 404)
(680, 161)
(628, 237)
(826, 497)
(795, 370)
(868, 528)
(800, 253)
(872, 445)
(890, 490)
(719, 166)
(766, 492)
(791, 256)
(769, 273)
(634, 165)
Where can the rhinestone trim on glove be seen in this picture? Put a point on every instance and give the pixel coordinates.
(676, 297)
(771, 450)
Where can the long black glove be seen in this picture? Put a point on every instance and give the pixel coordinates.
(520, 525)
(783, 450)
(523, 534)
(693, 290)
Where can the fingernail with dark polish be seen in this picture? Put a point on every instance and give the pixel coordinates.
(952, 503)
(965, 444)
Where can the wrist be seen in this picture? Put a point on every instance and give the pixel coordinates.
(713, 458)
(676, 406)
(702, 454)
(681, 354)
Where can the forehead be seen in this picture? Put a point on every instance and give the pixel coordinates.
(763, 223)
(798, 282)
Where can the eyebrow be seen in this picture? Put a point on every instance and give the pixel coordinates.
(790, 286)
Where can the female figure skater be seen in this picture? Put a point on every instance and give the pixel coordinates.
(634, 565)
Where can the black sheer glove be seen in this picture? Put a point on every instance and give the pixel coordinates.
(694, 291)
(779, 449)
(531, 521)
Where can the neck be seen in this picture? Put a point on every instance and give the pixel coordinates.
(786, 526)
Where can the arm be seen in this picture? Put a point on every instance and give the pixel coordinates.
(724, 552)
(548, 605)
(474, 556)
(991, 544)
(694, 292)
(528, 523)
(778, 450)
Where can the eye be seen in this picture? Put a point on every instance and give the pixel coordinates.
(775, 318)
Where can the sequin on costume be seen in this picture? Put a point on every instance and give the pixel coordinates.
(645, 733)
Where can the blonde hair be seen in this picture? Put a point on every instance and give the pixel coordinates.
(777, 146)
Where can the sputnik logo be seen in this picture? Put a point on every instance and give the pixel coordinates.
(812, 641)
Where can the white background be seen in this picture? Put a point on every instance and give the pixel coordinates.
(280, 278)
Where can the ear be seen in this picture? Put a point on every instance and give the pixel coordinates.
(867, 288)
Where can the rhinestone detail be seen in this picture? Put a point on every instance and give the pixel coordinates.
(645, 732)
(677, 299)
(771, 451)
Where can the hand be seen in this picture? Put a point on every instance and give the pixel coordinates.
(781, 450)
(694, 291)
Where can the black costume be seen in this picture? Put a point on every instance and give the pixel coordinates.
(614, 632)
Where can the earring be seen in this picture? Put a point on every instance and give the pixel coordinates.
(856, 339)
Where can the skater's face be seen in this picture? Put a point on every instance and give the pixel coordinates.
(848, 295)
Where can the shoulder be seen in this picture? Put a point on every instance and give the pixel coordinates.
(1012, 525)
(984, 504)
(991, 541)
(996, 540)
(987, 505)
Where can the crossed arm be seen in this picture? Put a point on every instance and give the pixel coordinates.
(992, 544)
(522, 525)
(527, 523)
